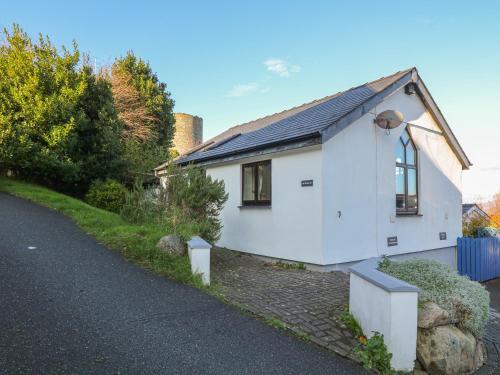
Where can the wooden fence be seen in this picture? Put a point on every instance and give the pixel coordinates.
(479, 258)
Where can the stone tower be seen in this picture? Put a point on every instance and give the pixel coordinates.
(188, 132)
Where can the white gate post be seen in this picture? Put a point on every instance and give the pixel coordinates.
(199, 255)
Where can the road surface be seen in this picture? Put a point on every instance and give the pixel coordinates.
(69, 305)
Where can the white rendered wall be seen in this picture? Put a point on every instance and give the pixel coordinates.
(358, 176)
(393, 314)
(291, 228)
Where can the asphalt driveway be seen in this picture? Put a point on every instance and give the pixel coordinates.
(69, 305)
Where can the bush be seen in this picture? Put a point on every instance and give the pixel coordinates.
(488, 232)
(143, 206)
(189, 205)
(108, 195)
(194, 202)
(471, 227)
(372, 352)
(351, 323)
(465, 300)
(373, 355)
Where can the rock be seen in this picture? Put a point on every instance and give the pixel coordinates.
(419, 372)
(446, 350)
(171, 245)
(431, 315)
(480, 355)
(418, 366)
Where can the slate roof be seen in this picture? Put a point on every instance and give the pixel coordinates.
(466, 207)
(298, 123)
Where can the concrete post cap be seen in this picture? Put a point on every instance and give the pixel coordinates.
(197, 242)
(368, 270)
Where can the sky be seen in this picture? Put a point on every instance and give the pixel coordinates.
(234, 61)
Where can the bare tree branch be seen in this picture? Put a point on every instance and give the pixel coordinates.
(138, 121)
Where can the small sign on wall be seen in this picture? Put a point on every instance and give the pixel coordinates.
(392, 241)
(442, 235)
(306, 183)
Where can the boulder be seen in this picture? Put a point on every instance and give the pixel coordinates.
(446, 350)
(418, 366)
(172, 245)
(430, 315)
(480, 355)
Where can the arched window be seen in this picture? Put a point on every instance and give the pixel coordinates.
(406, 175)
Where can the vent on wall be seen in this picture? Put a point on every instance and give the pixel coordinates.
(410, 89)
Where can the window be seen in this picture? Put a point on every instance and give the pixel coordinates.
(406, 175)
(256, 184)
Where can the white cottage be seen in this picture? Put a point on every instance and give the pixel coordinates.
(323, 185)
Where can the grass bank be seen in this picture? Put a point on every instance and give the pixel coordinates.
(137, 243)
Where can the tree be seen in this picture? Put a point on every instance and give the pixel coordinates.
(39, 91)
(145, 109)
(141, 159)
(96, 147)
(153, 94)
(492, 208)
(138, 121)
(57, 120)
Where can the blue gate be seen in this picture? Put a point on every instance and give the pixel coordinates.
(479, 258)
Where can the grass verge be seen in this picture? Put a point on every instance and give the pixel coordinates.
(137, 243)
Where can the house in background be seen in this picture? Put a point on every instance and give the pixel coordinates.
(322, 184)
(471, 211)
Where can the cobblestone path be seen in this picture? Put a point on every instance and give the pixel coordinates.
(308, 303)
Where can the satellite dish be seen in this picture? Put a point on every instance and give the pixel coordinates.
(389, 119)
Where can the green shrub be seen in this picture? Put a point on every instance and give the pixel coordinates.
(465, 300)
(108, 195)
(194, 202)
(488, 232)
(372, 352)
(143, 206)
(471, 226)
(290, 266)
(189, 205)
(351, 323)
(373, 355)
